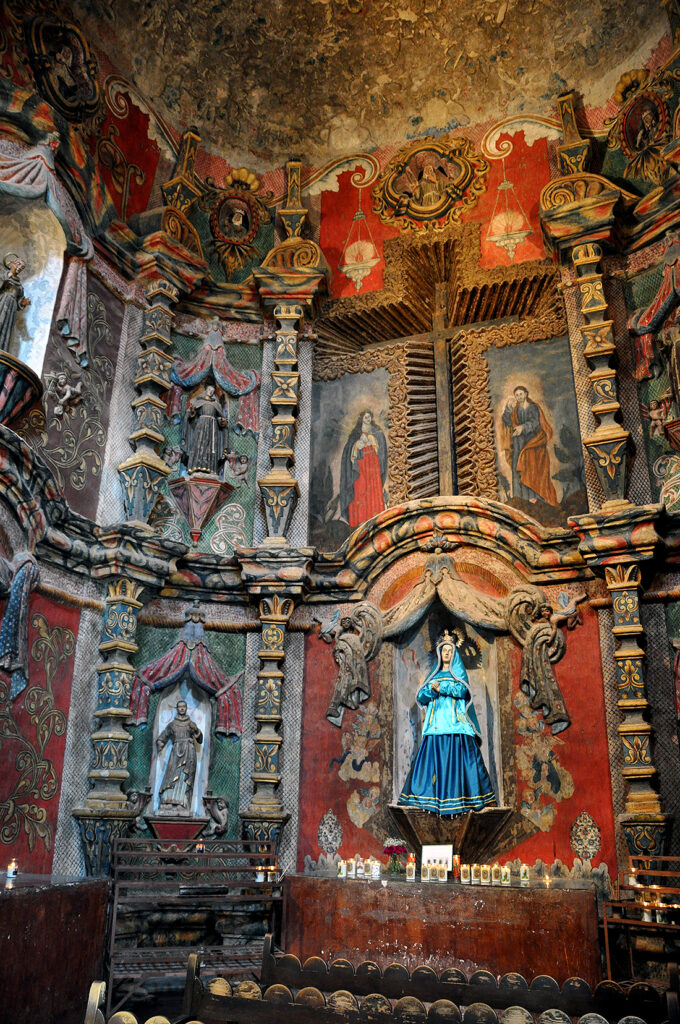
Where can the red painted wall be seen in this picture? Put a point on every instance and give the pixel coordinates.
(33, 738)
(578, 755)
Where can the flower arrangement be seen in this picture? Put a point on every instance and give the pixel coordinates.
(394, 849)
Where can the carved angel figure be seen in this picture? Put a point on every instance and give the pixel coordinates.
(658, 411)
(218, 809)
(63, 392)
(357, 641)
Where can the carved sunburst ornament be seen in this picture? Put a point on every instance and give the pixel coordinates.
(429, 184)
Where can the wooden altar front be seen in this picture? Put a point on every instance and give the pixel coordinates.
(532, 931)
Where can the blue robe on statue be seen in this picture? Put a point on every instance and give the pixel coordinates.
(448, 775)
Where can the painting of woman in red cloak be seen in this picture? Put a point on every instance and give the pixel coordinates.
(526, 433)
(363, 471)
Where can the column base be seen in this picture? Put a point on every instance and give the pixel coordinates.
(98, 829)
(646, 834)
(263, 827)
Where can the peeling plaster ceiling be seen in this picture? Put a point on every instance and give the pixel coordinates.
(264, 80)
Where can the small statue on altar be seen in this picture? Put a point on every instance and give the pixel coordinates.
(177, 787)
(448, 775)
(12, 298)
(205, 432)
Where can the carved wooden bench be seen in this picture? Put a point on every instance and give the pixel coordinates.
(217, 1002)
(575, 998)
(172, 882)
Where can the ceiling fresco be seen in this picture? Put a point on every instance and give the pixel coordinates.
(266, 79)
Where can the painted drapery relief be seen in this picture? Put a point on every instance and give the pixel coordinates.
(536, 431)
(349, 480)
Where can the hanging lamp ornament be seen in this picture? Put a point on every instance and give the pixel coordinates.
(509, 225)
(359, 254)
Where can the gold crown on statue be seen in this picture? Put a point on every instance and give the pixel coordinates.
(454, 638)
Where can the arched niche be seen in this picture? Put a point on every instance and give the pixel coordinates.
(200, 712)
(29, 228)
(408, 657)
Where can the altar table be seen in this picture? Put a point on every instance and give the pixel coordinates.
(532, 931)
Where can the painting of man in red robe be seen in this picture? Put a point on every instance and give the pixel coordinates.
(526, 433)
(363, 471)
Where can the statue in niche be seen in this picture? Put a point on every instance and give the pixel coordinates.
(448, 775)
(205, 433)
(524, 614)
(12, 298)
(177, 787)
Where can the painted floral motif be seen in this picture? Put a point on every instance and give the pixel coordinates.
(329, 835)
(36, 779)
(543, 780)
(230, 531)
(164, 519)
(585, 837)
(360, 744)
(73, 441)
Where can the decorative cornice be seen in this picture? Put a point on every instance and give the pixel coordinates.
(632, 534)
(63, 538)
(542, 555)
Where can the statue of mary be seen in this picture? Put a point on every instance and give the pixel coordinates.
(448, 775)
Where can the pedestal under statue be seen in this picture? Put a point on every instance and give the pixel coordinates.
(448, 775)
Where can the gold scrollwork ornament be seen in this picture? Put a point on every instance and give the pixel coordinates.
(429, 184)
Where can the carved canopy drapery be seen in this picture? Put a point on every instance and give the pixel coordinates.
(240, 384)
(190, 658)
(525, 614)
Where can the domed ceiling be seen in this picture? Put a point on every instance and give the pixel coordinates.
(267, 79)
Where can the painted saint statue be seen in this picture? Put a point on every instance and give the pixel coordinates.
(177, 787)
(448, 775)
(12, 298)
(526, 433)
(205, 432)
(363, 471)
